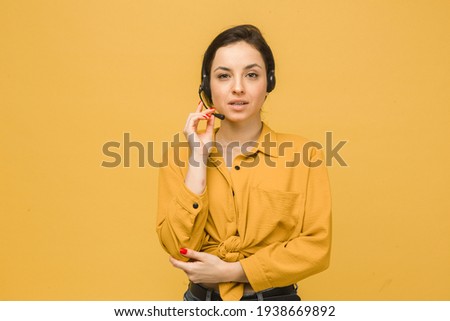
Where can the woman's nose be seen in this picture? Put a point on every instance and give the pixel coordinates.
(238, 86)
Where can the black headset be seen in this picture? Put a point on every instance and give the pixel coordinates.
(206, 89)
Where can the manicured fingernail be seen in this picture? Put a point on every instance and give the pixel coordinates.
(183, 251)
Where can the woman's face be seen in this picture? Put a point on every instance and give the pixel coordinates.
(238, 82)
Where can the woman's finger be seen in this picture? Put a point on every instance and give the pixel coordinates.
(199, 107)
(193, 119)
(178, 264)
(210, 126)
(198, 256)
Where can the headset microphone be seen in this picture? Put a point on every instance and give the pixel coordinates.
(204, 98)
(220, 116)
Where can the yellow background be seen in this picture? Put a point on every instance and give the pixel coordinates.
(77, 74)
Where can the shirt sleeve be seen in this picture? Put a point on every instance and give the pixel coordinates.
(285, 263)
(182, 214)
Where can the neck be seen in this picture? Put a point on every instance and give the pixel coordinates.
(239, 132)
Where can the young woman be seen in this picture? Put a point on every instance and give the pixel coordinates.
(243, 210)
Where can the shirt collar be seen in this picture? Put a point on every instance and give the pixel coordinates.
(267, 143)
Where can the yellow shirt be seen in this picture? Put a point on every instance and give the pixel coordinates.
(271, 211)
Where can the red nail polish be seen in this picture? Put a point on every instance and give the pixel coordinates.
(183, 251)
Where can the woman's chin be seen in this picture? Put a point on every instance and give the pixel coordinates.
(242, 119)
(235, 117)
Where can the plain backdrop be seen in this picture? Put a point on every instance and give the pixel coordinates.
(75, 75)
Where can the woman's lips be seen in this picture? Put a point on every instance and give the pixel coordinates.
(238, 105)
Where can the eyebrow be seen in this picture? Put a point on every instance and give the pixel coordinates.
(246, 67)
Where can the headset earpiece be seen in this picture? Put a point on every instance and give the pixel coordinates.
(204, 92)
(270, 80)
(206, 89)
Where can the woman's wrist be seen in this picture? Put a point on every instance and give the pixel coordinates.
(236, 273)
(198, 159)
(196, 175)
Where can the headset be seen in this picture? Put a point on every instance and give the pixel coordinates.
(204, 90)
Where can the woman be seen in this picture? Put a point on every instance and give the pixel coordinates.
(244, 211)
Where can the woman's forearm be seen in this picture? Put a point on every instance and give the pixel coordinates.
(236, 273)
(196, 176)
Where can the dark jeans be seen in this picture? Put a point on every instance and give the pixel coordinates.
(260, 296)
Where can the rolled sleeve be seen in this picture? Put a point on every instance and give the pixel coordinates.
(182, 214)
(191, 202)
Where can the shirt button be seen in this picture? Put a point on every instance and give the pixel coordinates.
(237, 167)
(195, 205)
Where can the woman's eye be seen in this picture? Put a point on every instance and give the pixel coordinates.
(252, 75)
(223, 76)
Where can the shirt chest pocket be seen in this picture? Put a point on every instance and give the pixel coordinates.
(273, 215)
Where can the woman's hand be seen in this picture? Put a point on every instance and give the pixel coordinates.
(200, 146)
(197, 141)
(208, 268)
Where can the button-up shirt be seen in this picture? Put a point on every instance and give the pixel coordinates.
(271, 211)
